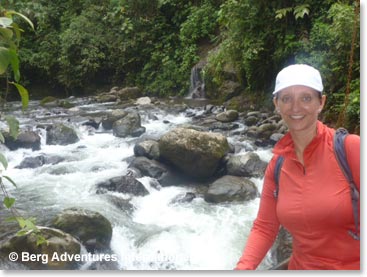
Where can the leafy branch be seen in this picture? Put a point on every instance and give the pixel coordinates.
(10, 34)
(299, 11)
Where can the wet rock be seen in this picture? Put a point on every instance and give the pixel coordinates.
(129, 93)
(251, 120)
(129, 125)
(106, 98)
(152, 116)
(155, 170)
(38, 161)
(184, 198)
(115, 115)
(142, 101)
(58, 244)
(266, 130)
(26, 139)
(274, 138)
(92, 123)
(148, 148)
(91, 228)
(32, 162)
(60, 134)
(122, 204)
(231, 188)
(227, 116)
(223, 126)
(138, 132)
(248, 165)
(196, 154)
(124, 184)
(105, 264)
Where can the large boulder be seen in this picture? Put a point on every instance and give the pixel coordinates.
(61, 134)
(115, 115)
(25, 139)
(91, 228)
(195, 153)
(129, 125)
(248, 165)
(129, 93)
(49, 254)
(231, 188)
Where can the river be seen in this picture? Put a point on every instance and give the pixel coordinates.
(157, 234)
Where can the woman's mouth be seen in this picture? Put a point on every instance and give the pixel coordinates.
(296, 117)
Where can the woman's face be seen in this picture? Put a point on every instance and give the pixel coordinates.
(299, 107)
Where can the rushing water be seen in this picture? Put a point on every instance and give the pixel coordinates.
(158, 233)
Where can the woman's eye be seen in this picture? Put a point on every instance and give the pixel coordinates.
(307, 98)
(286, 99)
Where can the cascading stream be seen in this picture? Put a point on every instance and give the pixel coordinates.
(158, 233)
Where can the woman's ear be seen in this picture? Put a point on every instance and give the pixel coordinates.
(275, 102)
(322, 102)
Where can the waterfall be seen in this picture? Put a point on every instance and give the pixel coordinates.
(197, 84)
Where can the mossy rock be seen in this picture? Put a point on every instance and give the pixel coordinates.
(48, 99)
(58, 243)
(91, 228)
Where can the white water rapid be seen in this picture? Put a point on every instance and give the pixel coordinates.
(157, 234)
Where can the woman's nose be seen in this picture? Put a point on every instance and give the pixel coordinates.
(295, 105)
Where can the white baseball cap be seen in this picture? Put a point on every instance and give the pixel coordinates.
(298, 74)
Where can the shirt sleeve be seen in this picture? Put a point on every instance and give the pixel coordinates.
(352, 149)
(265, 227)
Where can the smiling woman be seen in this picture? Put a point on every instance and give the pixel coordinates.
(299, 89)
(314, 203)
(299, 107)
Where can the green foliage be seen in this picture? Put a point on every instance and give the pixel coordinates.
(248, 41)
(200, 23)
(10, 34)
(154, 44)
(299, 11)
(167, 69)
(13, 124)
(353, 111)
(83, 48)
(329, 49)
(3, 160)
(8, 202)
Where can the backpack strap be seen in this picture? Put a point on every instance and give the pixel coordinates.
(278, 167)
(341, 157)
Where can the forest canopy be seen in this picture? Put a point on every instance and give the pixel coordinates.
(78, 46)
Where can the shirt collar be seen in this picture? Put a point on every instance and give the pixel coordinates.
(285, 145)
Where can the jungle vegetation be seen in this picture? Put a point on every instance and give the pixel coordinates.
(80, 46)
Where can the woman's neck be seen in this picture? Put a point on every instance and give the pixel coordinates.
(301, 139)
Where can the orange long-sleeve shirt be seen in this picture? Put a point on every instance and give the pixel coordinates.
(314, 205)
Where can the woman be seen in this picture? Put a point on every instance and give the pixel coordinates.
(314, 201)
